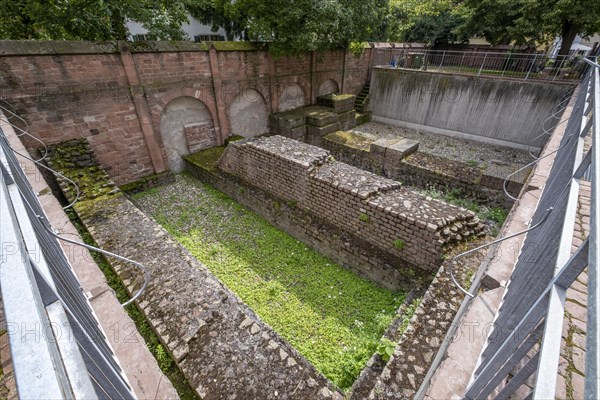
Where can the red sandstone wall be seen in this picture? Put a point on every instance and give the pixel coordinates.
(162, 68)
(115, 97)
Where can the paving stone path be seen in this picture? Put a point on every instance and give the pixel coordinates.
(571, 369)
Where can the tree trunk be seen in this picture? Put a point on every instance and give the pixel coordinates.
(569, 31)
(119, 29)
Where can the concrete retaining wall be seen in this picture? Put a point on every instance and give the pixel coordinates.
(499, 111)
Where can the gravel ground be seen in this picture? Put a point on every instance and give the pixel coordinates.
(448, 147)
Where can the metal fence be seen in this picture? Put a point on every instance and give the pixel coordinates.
(503, 64)
(526, 337)
(58, 348)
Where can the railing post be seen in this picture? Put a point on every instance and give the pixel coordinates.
(482, 63)
(442, 61)
(592, 353)
(462, 61)
(506, 64)
(531, 67)
(559, 68)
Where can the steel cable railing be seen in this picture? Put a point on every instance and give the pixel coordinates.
(499, 357)
(46, 225)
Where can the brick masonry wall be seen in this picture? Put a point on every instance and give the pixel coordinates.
(400, 223)
(427, 171)
(114, 93)
(341, 246)
(181, 66)
(221, 346)
(200, 137)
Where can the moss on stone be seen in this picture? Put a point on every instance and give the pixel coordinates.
(238, 46)
(350, 139)
(318, 114)
(337, 97)
(363, 118)
(301, 112)
(146, 182)
(233, 138)
(206, 159)
(75, 161)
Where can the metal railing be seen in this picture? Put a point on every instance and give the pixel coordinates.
(528, 327)
(500, 64)
(58, 348)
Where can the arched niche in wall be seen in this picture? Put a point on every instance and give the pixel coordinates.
(292, 96)
(328, 87)
(248, 116)
(186, 126)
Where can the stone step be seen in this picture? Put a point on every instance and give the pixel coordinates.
(340, 103)
(362, 117)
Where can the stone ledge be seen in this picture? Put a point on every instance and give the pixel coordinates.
(213, 336)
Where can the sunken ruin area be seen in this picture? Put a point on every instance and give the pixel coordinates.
(371, 307)
(236, 300)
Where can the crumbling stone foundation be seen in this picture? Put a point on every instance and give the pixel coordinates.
(400, 159)
(397, 221)
(223, 348)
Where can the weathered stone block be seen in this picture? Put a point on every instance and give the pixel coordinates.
(321, 118)
(341, 103)
(199, 136)
(298, 132)
(349, 124)
(347, 116)
(399, 150)
(379, 147)
(320, 131)
(286, 121)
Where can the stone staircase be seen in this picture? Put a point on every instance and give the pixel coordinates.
(362, 100)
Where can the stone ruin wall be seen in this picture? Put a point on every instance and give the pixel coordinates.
(424, 170)
(222, 347)
(397, 221)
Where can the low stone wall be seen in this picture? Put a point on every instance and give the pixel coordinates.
(398, 222)
(399, 159)
(341, 246)
(222, 347)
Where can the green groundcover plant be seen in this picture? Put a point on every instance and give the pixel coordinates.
(331, 316)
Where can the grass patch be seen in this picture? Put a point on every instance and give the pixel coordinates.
(164, 359)
(207, 159)
(331, 316)
(399, 244)
(456, 197)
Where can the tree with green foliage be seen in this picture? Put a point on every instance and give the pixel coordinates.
(403, 15)
(495, 20)
(90, 19)
(529, 21)
(564, 18)
(295, 27)
(438, 29)
(220, 14)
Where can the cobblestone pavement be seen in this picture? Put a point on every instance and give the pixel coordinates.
(571, 369)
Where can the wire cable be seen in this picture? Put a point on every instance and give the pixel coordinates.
(30, 135)
(92, 248)
(483, 246)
